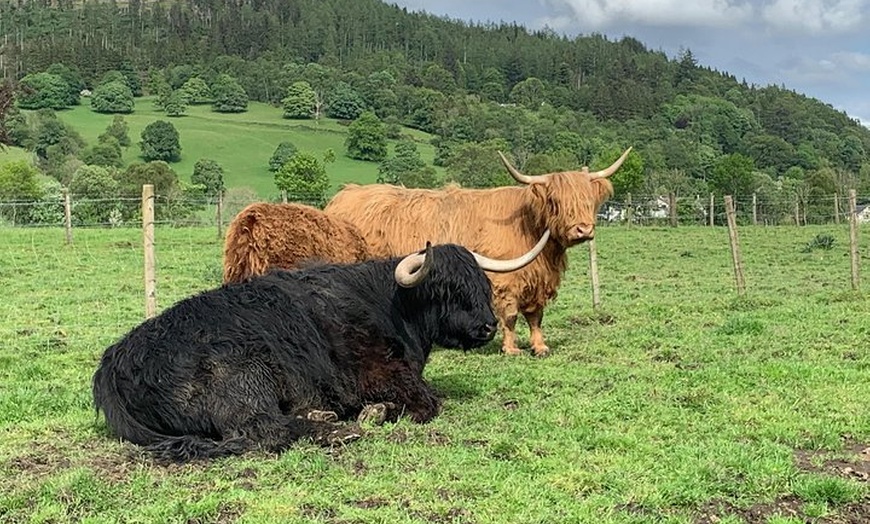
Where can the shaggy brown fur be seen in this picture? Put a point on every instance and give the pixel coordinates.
(283, 235)
(504, 222)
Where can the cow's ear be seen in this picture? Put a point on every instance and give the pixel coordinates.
(543, 199)
(540, 192)
(604, 190)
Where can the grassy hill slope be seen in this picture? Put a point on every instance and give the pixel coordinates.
(241, 143)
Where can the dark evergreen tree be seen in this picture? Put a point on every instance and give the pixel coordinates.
(282, 154)
(160, 141)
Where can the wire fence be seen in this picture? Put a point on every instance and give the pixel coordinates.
(68, 211)
(640, 210)
(753, 209)
(81, 264)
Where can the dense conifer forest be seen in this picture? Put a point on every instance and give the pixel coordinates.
(550, 101)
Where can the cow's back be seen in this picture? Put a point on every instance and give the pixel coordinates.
(499, 223)
(267, 235)
(396, 221)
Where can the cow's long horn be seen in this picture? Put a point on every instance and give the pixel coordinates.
(604, 173)
(519, 177)
(504, 266)
(412, 269)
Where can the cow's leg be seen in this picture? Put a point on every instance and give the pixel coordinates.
(507, 313)
(535, 318)
(243, 403)
(402, 391)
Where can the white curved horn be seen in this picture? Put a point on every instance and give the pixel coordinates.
(604, 173)
(412, 269)
(519, 177)
(504, 266)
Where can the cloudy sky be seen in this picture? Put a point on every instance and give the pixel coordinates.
(820, 48)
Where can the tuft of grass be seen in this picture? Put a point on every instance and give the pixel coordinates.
(827, 490)
(741, 325)
(824, 241)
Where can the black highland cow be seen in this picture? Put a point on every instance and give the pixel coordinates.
(261, 364)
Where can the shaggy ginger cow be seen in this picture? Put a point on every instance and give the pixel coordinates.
(501, 222)
(267, 235)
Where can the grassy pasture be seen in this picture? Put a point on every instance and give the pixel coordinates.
(221, 136)
(677, 402)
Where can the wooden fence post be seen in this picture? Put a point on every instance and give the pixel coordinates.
(836, 208)
(754, 209)
(219, 208)
(853, 237)
(735, 245)
(797, 210)
(148, 238)
(593, 274)
(672, 208)
(712, 209)
(67, 216)
(629, 210)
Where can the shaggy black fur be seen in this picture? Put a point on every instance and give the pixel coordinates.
(238, 367)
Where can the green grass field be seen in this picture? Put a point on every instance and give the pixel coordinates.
(676, 402)
(257, 132)
(14, 154)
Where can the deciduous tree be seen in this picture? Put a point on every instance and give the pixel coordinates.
(366, 138)
(303, 177)
(299, 102)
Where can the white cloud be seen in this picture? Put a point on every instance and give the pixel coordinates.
(816, 16)
(850, 60)
(597, 14)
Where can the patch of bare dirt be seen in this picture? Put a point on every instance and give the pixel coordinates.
(114, 465)
(371, 502)
(316, 512)
(226, 514)
(436, 438)
(713, 512)
(397, 436)
(788, 506)
(451, 516)
(604, 319)
(40, 461)
(853, 462)
(46, 458)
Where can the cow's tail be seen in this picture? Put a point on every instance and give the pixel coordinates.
(188, 447)
(163, 447)
(242, 256)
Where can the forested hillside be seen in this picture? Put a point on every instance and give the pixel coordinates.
(550, 101)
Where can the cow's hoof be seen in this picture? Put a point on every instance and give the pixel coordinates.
(375, 413)
(512, 352)
(542, 352)
(343, 436)
(322, 416)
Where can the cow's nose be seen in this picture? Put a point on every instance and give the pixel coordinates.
(585, 231)
(488, 330)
